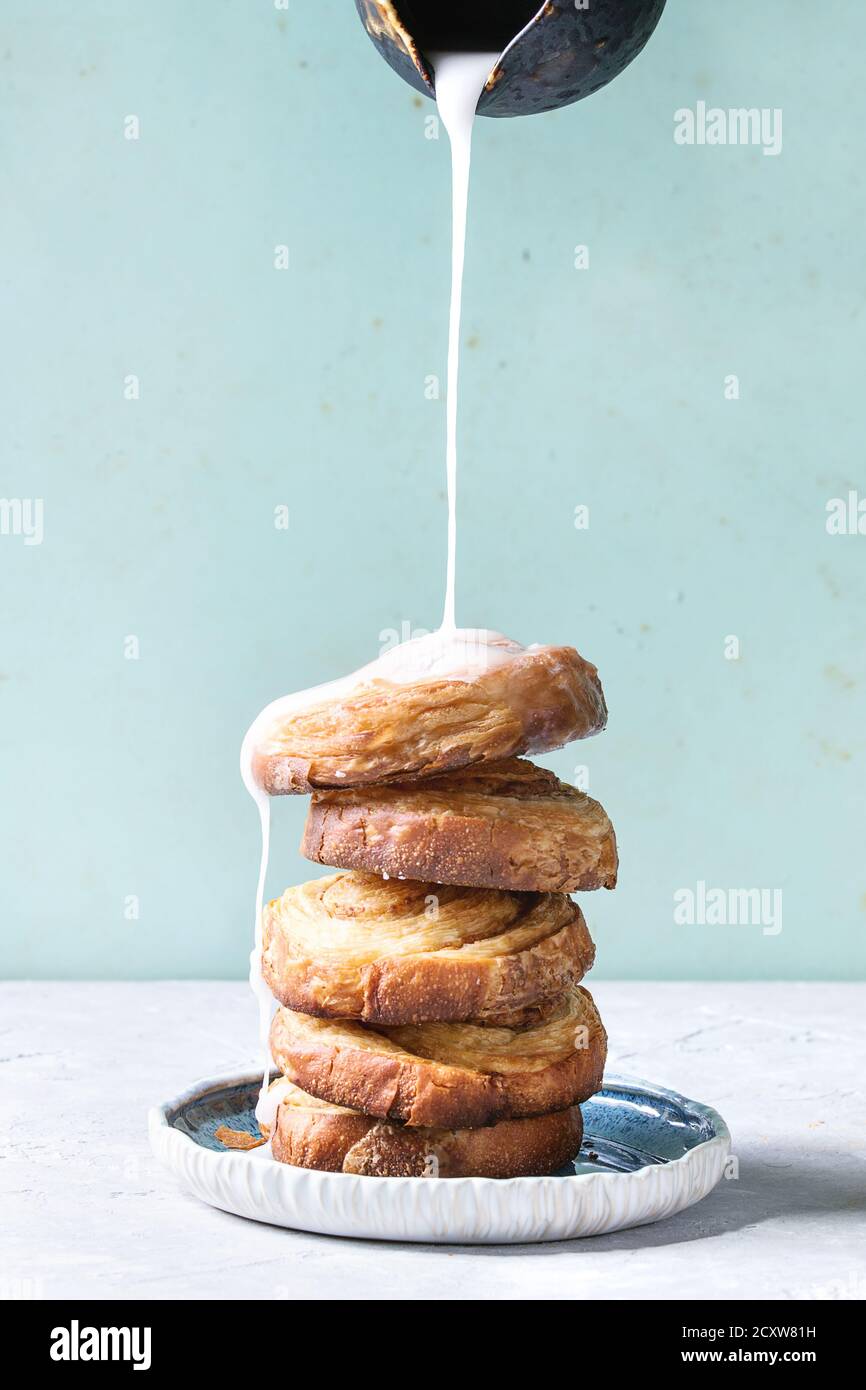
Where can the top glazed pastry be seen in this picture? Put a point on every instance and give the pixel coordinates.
(429, 706)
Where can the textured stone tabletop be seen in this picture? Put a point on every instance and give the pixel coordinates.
(87, 1213)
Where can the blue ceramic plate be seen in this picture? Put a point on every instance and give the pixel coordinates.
(647, 1153)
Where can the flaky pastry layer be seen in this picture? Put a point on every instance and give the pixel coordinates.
(311, 1133)
(450, 1075)
(355, 946)
(505, 825)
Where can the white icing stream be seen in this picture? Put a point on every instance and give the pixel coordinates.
(460, 80)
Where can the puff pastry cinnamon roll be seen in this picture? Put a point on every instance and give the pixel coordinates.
(356, 946)
(495, 825)
(429, 706)
(447, 1075)
(311, 1133)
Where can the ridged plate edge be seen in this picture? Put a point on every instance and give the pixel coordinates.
(479, 1211)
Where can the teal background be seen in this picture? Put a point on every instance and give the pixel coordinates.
(306, 388)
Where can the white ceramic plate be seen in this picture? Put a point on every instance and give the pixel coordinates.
(647, 1154)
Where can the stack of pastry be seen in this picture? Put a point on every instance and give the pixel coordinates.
(431, 1019)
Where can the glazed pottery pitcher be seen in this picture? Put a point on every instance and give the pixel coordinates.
(551, 54)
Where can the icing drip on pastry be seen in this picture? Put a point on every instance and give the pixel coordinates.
(262, 994)
(269, 1101)
(458, 654)
(460, 80)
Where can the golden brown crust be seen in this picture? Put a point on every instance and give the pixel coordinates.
(355, 946)
(309, 1133)
(496, 825)
(447, 1075)
(385, 731)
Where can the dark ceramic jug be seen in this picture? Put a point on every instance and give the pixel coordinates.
(551, 54)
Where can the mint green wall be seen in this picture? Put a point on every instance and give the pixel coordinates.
(306, 388)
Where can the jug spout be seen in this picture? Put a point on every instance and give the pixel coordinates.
(551, 54)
